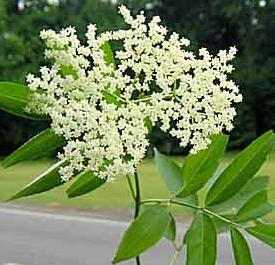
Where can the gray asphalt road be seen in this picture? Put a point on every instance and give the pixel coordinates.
(31, 237)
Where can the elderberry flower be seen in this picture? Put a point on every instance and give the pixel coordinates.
(102, 109)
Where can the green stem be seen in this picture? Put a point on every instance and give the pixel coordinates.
(154, 201)
(135, 192)
(137, 205)
(175, 201)
(185, 204)
(222, 218)
(175, 257)
(205, 211)
(131, 187)
(137, 197)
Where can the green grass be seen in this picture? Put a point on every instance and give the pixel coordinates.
(110, 197)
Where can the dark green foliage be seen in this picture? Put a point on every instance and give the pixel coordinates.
(86, 182)
(240, 247)
(201, 241)
(236, 198)
(46, 181)
(143, 233)
(14, 98)
(264, 232)
(256, 207)
(171, 230)
(241, 170)
(41, 145)
(170, 172)
(199, 168)
(235, 203)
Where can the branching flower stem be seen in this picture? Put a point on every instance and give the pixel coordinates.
(135, 192)
(137, 197)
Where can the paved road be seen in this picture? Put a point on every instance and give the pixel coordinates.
(31, 237)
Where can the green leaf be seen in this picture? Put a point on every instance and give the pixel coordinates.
(14, 99)
(108, 53)
(184, 239)
(201, 241)
(46, 181)
(143, 233)
(148, 123)
(264, 232)
(235, 203)
(86, 182)
(68, 70)
(171, 230)
(241, 170)
(111, 98)
(169, 171)
(42, 144)
(240, 248)
(257, 206)
(199, 168)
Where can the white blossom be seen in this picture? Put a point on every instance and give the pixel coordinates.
(156, 78)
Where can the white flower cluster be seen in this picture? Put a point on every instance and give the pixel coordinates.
(102, 108)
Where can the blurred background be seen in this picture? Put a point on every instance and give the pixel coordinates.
(216, 24)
